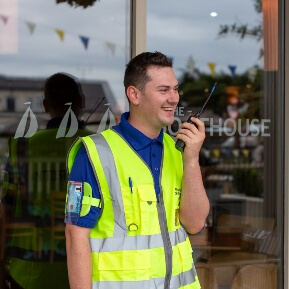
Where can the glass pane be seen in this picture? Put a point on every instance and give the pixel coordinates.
(233, 44)
(83, 52)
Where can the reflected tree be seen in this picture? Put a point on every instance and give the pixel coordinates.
(245, 30)
(195, 86)
(78, 3)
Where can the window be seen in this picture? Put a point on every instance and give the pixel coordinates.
(234, 44)
(10, 104)
(87, 49)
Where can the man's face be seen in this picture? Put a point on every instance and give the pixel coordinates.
(159, 100)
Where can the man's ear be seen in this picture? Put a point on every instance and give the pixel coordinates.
(46, 105)
(133, 94)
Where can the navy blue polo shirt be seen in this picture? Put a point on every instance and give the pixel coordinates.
(150, 150)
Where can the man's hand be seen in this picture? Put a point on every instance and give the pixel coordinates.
(194, 206)
(193, 136)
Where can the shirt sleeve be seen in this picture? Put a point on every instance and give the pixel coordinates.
(80, 174)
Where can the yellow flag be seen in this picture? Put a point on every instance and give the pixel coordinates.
(212, 67)
(60, 34)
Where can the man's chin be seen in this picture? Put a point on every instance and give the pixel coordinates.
(168, 122)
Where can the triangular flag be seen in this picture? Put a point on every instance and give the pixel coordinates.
(111, 47)
(191, 65)
(252, 73)
(171, 59)
(232, 69)
(123, 50)
(60, 34)
(84, 41)
(212, 68)
(31, 26)
(4, 19)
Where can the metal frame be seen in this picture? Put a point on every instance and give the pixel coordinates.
(138, 26)
(284, 71)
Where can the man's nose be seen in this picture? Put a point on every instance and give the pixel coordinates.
(174, 97)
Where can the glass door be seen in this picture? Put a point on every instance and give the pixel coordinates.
(61, 73)
(234, 44)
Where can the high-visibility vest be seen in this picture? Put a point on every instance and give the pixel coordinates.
(43, 158)
(138, 241)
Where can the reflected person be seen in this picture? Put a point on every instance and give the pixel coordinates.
(37, 171)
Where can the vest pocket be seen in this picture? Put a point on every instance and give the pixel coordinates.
(130, 265)
(140, 206)
(185, 253)
(148, 210)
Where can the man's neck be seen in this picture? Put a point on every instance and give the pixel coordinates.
(149, 132)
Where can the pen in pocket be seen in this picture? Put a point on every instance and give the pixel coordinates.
(130, 184)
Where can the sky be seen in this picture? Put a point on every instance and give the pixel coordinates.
(179, 28)
(184, 29)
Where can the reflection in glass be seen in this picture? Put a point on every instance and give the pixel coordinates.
(240, 246)
(36, 131)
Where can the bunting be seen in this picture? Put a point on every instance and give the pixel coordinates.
(171, 59)
(31, 26)
(4, 19)
(232, 68)
(191, 66)
(60, 33)
(212, 67)
(252, 73)
(110, 47)
(85, 41)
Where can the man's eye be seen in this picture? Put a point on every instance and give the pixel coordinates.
(163, 90)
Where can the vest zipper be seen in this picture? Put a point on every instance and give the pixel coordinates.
(162, 220)
(166, 239)
(165, 232)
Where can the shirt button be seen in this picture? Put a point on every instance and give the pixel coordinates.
(156, 169)
(154, 155)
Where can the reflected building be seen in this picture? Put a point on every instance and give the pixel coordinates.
(33, 193)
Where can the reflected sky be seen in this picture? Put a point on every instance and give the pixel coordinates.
(184, 29)
(180, 29)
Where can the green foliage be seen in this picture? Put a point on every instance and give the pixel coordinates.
(247, 181)
(195, 88)
(77, 3)
(195, 91)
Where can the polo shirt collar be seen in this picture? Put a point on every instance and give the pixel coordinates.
(135, 137)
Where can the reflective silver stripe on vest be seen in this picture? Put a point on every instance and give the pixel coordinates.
(139, 242)
(106, 157)
(156, 283)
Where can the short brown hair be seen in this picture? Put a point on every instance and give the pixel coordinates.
(136, 70)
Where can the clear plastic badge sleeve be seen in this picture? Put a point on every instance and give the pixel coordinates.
(74, 201)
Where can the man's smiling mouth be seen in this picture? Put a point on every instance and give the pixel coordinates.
(167, 108)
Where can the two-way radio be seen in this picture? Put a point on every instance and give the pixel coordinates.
(180, 145)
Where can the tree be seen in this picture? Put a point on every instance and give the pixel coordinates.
(195, 87)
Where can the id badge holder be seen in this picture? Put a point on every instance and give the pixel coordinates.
(74, 201)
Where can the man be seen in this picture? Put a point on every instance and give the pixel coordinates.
(132, 196)
(37, 168)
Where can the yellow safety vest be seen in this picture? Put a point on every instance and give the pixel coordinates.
(138, 241)
(44, 159)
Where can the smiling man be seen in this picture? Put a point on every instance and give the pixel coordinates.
(132, 197)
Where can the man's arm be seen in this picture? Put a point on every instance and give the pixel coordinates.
(78, 256)
(194, 206)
